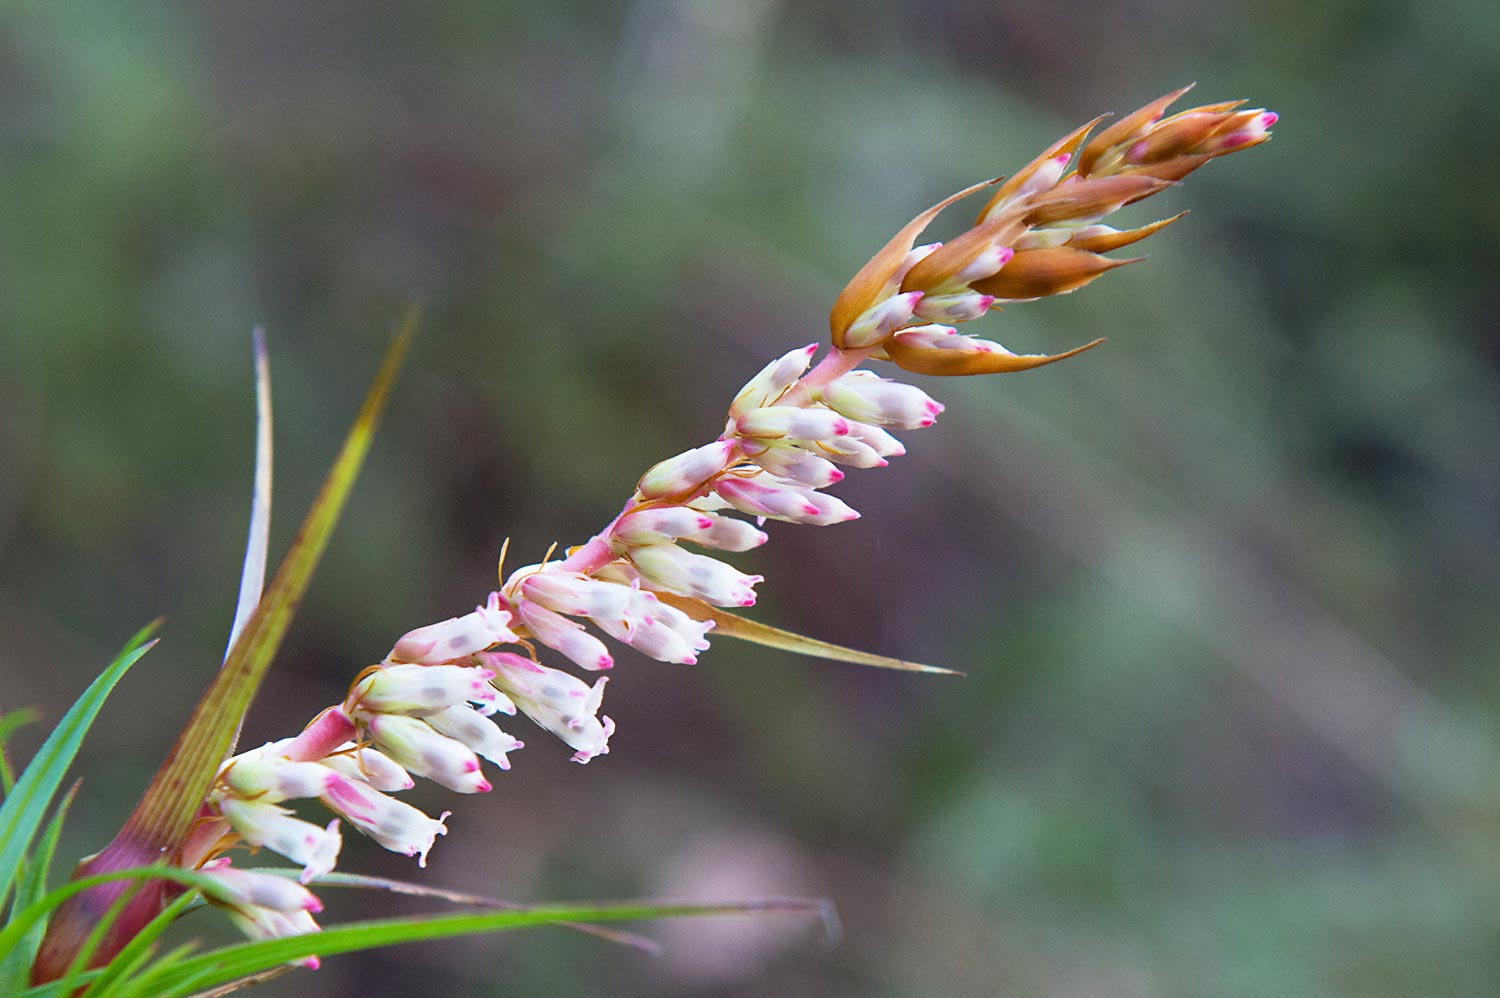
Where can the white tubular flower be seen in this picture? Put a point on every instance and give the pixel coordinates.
(271, 780)
(986, 263)
(880, 319)
(374, 768)
(686, 471)
(670, 523)
(396, 825)
(266, 923)
(417, 690)
(959, 307)
(476, 731)
(670, 568)
(577, 595)
(946, 338)
(867, 398)
(767, 495)
(793, 423)
(456, 637)
(246, 889)
(417, 746)
(262, 824)
(566, 636)
(853, 450)
(774, 379)
(650, 626)
(794, 463)
(563, 704)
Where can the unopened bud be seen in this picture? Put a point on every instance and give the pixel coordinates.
(879, 321)
(870, 399)
(687, 471)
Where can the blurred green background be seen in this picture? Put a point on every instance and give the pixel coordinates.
(1225, 589)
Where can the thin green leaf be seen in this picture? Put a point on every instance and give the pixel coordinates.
(26, 805)
(232, 962)
(15, 963)
(170, 805)
(730, 625)
(8, 725)
(144, 985)
(257, 544)
(406, 887)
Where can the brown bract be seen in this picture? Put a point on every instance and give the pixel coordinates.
(869, 286)
(1054, 270)
(1128, 128)
(1078, 197)
(1067, 144)
(947, 363)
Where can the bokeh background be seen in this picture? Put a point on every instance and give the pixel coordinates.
(1225, 589)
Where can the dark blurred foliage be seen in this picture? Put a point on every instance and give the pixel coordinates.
(1225, 589)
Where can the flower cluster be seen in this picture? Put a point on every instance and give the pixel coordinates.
(426, 709)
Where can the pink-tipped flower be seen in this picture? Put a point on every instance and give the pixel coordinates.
(416, 690)
(770, 496)
(374, 768)
(417, 746)
(686, 472)
(396, 825)
(650, 626)
(660, 524)
(265, 923)
(478, 732)
(454, 638)
(986, 263)
(248, 889)
(267, 825)
(796, 463)
(577, 595)
(563, 635)
(669, 568)
(960, 307)
(880, 320)
(869, 399)
(558, 702)
(792, 423)
(866, 446)
(774, 379)
(945, 338)
(1253, 129)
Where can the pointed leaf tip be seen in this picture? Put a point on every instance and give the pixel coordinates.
(734, 626)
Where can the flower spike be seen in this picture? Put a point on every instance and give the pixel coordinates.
(426, 709)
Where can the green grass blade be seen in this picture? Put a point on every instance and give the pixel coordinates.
(26, 805)
(15, 963)
(233, 962)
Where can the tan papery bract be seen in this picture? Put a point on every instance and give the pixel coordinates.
(949, 363)
(1107, 241)
(1054, 270)
(1127, 129)
(868, 286)
(1067, 144)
